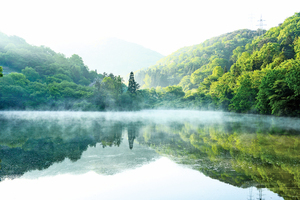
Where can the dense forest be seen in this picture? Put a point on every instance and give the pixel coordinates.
(44, 80)
(244, 71)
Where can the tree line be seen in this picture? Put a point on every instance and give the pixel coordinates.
(46, 80)
(241, 71)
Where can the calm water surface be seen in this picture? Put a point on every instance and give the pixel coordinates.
(148, 155)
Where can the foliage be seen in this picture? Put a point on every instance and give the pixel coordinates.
(132, 85)
(238, 71)
(197, 61)
(279, 92)
(234, 151)
(50, 81)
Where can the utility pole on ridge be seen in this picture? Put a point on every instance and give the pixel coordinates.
(261, 26)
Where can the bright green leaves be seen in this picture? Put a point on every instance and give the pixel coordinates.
(175, 91)
(185, 83)
(297, 48)
(205, 84)
(260, 59)
(198, 76)
(279, 90)
(198, 61)
(244, 93)
(218, 71)
(222, 89)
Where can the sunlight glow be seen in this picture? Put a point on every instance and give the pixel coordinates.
(163, 26)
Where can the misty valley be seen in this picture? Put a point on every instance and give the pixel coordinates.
(215, 120)
(149, 154)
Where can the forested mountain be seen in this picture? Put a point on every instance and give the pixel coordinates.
(17, 55)
(44, 79)
(243, 71)
(240, 71)
(113, 55)
(190, 65)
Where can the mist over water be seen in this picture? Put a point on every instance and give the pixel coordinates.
(244, 151)
(66, 118)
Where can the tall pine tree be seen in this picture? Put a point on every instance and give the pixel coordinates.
(132, 85)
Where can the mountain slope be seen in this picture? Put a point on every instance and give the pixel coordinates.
(242, 73)
(196, 62)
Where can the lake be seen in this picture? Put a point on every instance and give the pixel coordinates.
(150, 154)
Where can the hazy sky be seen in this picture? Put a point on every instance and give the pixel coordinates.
(161, 25)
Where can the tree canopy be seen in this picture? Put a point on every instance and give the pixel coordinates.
(242, 71)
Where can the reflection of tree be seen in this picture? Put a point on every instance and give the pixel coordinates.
(40, 154)
(133, 132)
(36, 144)
(264, 155)
(111, 135)
(261, 156)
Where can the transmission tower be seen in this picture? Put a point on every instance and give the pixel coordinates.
(261, 26)
(250, 194)
(260, 194)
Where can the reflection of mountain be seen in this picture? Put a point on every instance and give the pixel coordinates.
(168, 141)
(40, 154)
(30, 143)
(241, 150)
(101, 160)
(265, 155)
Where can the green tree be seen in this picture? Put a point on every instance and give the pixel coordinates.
(132, 85)
(222, 90)
(244, 95)
(1, 71)
(279, 91)
(185, 83)
(39, 94)
(173, 92)
(31, 74)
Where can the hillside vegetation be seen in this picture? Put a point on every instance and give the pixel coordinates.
(46, 80)
(190, 65)
(243, 71)
(239, 71)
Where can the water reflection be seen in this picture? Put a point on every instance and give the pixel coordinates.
(35, 143)
(256, 151)
(245, 151)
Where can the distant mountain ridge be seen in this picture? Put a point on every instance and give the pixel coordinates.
(113, 55)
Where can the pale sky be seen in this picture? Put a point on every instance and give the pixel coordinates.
(161, 25)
